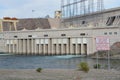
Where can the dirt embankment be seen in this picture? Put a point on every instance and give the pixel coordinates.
(59, 74)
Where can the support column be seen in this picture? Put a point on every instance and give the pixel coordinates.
(77, 49)
(71, 48)
(31, 46)
(20, 48)
(40, 49)
(17, 46)
(50, 47)
(74, 49)
(44, 51)
(37, 49)
(57, 49)
(89, 44)
(62, 46)
(53, 46)
(9, 48)
(67, 46)
(77, 53)
(23, 46)
(64, 49)
(69, 42)
(28, 46)
(13, 45)
(47, 48)
(35, 45)
(20, 45)
(82, 49)
(60, 49)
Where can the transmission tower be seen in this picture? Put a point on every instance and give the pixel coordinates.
(71, 8)
(90, 6)
(100, 5)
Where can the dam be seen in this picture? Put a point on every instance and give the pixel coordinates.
(66, 34)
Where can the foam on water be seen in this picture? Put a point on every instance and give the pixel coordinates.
(69, 56)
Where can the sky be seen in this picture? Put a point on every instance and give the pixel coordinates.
(37, 8)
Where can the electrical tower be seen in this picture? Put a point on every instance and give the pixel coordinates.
(71, 8)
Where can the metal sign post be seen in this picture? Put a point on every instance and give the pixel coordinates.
(97, 60)
(103, 43)
(109, 66)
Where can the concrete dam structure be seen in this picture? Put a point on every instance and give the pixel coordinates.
(70, 35)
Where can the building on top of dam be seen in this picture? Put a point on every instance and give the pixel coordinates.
(72, 34)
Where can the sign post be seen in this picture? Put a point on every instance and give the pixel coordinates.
(103, 43)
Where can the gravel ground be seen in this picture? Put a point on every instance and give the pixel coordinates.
(58, 74)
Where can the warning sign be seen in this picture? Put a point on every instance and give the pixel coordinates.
(102, 43)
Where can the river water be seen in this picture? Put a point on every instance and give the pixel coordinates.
(50, 62)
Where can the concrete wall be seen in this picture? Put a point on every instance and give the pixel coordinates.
(57, 42)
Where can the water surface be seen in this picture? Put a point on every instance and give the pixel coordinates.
(50, 62)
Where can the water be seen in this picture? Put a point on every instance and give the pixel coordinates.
(50, 62)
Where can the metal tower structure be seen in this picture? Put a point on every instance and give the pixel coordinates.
(71, 8)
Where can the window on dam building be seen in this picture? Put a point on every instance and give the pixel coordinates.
(110, 33)
(15, 36)
(46, 35)
(83, 22)
(105, 33)
(63, 34)
(82, 34)
(29, 35)
(110, 20)
(115, 33)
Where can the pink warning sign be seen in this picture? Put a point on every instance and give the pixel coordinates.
(102, 43)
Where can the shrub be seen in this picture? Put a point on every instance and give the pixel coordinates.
(83, 66)
(39, 70)
(96, 66)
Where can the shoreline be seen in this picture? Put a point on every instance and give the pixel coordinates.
(58, 74)
(105, 58)
(64, 56)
